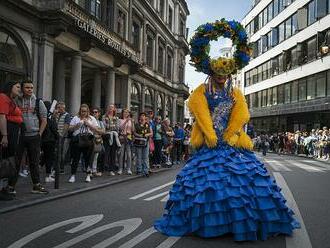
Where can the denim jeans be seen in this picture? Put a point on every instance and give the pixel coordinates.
(142, 154)
(125, 156)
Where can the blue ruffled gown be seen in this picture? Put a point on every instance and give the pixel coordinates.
(225, 190)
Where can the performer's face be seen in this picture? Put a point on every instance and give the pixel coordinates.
(220, 79)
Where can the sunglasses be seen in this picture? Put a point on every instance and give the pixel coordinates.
(95, 112)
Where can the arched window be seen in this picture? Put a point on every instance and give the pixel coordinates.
(159, 105)
(135, 99)
(168, 105)
(12, 58)
(148, 99)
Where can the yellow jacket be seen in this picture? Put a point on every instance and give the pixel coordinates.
(203, 131)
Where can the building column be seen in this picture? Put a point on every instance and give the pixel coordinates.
(174, 108)
(143, 98)
(46, 63)
(96, 95)
(155, 54)
(176, 18)
(164, 106)
(176, 66)
(59, 89)
(35, 51)
(128, 90)
(110, 87)
(155, 102)
(75, 84)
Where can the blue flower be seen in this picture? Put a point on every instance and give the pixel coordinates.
(227, 34)
(202, 41)
(195, 51)
(208, 27)
(232, 24)
(242, 36)
(205, 63)
(243, 57)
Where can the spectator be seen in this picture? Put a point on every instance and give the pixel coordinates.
(10, 125)
(48, 143)
(168, 140)
(178, 143)
(84, 126)
(158, 133)
(98, 144)
(142, 132)
(126, 128)
(111, 142)
(63, 119)
(35, 121)
(186, 142)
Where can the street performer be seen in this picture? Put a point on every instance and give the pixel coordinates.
(223, 188)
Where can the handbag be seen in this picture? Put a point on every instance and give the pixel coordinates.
(7, 166)
(85, 139)
(140, 142)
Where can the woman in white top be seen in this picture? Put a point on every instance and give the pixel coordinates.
(82, 125)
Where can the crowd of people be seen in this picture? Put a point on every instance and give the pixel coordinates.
(315, 143)
(37, 133)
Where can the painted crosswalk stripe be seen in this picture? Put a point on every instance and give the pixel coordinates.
(151, 191)
(169, 242)
(300, 237)
(305, 167)
(156, 196)
(165, 199)
(277, 166)
(316, 163)
(136, 240)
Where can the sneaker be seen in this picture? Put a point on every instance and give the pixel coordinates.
(112, 173)
(72, 179)
(5, 196)
(26, 172)
(88, 179)
(38, 189)
(21, 174)
(147, 174)
(49, 179)
(129, 172)
(120, 172)
(97, 174)
(10, 190)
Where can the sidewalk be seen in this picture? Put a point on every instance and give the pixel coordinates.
(24, 197)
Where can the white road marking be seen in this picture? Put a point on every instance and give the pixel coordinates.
(87, 221)
(277, 166)
(317, 163)
(300, 237)
(156, 196)
(165, 199)
(304, 166)
(150, 191)
(128, 227)
(136, 240)
(169, 242)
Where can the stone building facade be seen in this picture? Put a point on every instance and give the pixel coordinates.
(125, 52)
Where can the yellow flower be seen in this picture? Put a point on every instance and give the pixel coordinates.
(223, 66)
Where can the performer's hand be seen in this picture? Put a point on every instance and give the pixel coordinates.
(211, 141)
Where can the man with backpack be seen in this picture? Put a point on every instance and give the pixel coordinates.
(35, 122)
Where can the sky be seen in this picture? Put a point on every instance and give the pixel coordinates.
(202, 11)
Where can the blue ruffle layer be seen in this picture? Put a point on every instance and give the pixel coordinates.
(226, 190)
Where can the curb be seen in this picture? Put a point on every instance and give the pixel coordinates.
(75, 192)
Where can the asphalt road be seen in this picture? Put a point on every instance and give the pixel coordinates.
(122, 215)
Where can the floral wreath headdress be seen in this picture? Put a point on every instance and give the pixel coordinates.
(221, 66)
